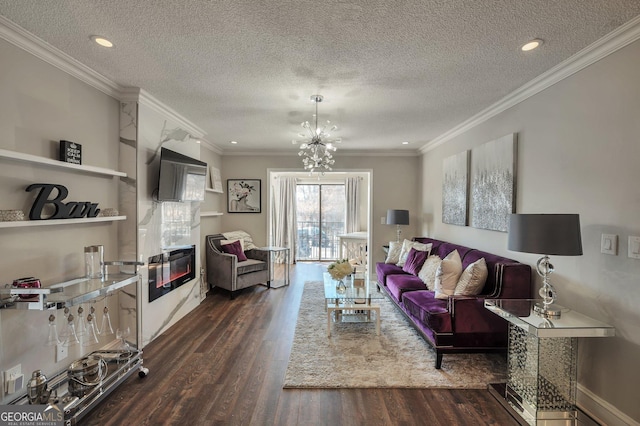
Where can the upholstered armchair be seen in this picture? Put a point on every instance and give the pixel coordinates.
(225, 271)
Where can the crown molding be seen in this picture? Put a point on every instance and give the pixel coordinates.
(147, 99)
(339, 153)
(39, 48)
(610, 43)
(211, 146)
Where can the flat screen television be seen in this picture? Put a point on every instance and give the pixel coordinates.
(182, 178)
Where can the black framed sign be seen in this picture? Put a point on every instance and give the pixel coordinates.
(244, 195)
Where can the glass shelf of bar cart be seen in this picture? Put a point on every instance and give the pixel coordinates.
(66, 294)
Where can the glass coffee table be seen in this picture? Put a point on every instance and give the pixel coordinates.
(353, 303)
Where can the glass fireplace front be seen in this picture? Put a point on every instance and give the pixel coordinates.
(170, 269)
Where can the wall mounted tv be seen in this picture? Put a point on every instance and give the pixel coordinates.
(182, 178)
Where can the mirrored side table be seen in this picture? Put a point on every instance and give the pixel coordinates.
(542, 361)
(273, 252)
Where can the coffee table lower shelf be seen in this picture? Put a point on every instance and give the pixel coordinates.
(352, 312)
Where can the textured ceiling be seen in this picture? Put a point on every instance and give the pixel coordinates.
(390, 71)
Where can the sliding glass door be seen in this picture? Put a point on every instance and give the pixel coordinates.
(320, 219)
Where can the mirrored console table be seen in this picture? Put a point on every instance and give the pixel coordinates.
(542, 361)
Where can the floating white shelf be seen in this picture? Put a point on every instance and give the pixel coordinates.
(60, 164)
(23, 223)
(214, 190)
(209, 214)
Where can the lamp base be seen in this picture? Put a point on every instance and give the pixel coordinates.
(549, 311)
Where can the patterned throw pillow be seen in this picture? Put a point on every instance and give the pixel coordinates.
(414, 262)
(407, 245)
(394, 252)
(448, 274)
(428, 272)
(473, 278)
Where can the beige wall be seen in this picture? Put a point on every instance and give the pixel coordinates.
(578, 151)
(395, 184)
(40, 105)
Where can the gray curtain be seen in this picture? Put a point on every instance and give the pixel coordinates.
(352, 193)
(285, 217)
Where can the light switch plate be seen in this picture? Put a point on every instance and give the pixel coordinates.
(634, 247)
(609, 244)
(61, 352)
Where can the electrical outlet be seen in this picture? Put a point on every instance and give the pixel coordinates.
(12, 372)
(61, 352)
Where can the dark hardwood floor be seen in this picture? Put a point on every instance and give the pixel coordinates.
(224, 364)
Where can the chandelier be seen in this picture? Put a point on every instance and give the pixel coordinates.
(317, 144)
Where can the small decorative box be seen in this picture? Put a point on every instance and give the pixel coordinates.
(11, 215)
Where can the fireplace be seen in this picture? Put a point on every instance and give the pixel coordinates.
(170, 269)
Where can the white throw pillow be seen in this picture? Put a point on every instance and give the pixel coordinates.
(407, 245)
(394, 252)
(428, 272)
(241, 235)
(473, 278)
(448, 274)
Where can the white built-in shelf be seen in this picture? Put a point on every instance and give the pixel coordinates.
(214, 190)
(45, 222)
(209, 214)
(12, 155)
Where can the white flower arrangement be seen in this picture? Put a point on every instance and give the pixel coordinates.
(340, 269)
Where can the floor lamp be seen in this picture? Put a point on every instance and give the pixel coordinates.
(398, 217)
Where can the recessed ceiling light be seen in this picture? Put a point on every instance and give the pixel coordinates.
(405, 143)
(234, 142)
(532, 45)
(101, 41)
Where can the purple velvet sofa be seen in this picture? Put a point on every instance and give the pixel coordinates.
(461, 323)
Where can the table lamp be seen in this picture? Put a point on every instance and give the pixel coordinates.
(546, 234)
(398, 217)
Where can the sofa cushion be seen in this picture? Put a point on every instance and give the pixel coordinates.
(394, 252)
(398, 284)
(250, 265)
(428, 272)
(448, 275)
(431, 311)
(234, 247)
(472, 280)
(383, 270)
(414, 262)
(407, 245)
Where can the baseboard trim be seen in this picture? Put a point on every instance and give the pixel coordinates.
(600, 410)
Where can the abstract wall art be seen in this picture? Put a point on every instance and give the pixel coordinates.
(493, 183)
(455, 189)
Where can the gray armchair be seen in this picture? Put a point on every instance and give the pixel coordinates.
(224, 270)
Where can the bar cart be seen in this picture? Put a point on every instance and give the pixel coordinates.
(88, 380)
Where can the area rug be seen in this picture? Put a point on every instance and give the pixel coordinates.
(355, 357)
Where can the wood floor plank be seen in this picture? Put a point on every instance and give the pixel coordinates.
(224, 364)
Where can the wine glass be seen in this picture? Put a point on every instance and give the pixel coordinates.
(90, 338)
(72, 337)
(81, 327)
(63, 333)
(105, 326)
(52, 339)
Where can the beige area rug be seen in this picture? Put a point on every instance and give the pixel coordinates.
(355, 357)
